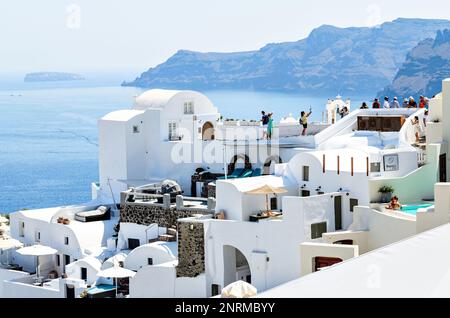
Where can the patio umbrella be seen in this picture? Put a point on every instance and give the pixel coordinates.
(8, 244)
(239, 289)
(116, 272)
(266, 190)
(3, 219)
(37, 250)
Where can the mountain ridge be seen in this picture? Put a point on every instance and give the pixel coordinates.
(330, 59)
(425, 67)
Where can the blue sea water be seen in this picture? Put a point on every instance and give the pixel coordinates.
(49, 143)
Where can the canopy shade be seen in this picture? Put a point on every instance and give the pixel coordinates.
(239, 289)
(267, 189)
(9, 243)
(116, 272)
(37, 250)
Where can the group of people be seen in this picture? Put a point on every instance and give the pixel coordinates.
(407, 103)
(267, 122)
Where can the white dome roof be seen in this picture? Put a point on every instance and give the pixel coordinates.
(154, 98)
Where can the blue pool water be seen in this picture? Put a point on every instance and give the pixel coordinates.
(100, 289)
(49, 143)
(412, 209)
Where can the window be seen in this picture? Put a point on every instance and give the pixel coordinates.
(273, 203)
(135, 129)
(375, 167)
(317, 229)
(172, 130)
(21, 229)
(83, 273)
(66, 240)
(353, 203)
(66, 259)
(120, 263)
(189, 108)
(37, 236)
(215, 289)
(306, 193)
(58, 260)
(133, 243)
(150, 261)
(305, 173)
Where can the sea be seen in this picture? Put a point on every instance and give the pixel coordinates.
(49, 139)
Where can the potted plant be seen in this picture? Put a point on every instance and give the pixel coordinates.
(386, 193)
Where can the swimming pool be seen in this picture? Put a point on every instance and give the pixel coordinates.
(412, 209)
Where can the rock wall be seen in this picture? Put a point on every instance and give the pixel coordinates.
(191, 249)
(149, 214)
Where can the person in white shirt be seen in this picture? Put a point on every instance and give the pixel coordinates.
(395, 103)
(386, 103)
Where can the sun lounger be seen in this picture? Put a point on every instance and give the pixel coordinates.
(256, 172)
(101, 213)
(247, 173)
(236, 174)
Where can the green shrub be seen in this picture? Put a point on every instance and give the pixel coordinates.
(386, 189)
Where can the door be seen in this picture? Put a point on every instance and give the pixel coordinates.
(83, 273)
(66, 259)
(70, 291)
(443, 168)
(338, 213)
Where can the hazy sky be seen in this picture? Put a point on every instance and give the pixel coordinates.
(132, 35)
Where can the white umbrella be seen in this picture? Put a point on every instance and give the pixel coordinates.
(9, 244)
(239, 289)
(116, 272)
(37, 250)
(3, 219)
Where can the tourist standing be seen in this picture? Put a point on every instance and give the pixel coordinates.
(412, 103)
(304, 121)
(422, 102)
(395, 103)
(269, 126)
(376, 103)
(386, 103)
(405, 103)
(265, 122)
(364, 106)
(425, 118)
(416, 125)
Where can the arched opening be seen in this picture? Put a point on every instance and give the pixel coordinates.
(208, 131)
(236, 266)
(239, 161)
(269, 164)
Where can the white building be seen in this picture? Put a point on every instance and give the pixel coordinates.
(330, 212)
(169, 134)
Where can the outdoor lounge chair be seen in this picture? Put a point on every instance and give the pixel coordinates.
(236, 174)
(101, 213)
(256, 172)
(247, 173)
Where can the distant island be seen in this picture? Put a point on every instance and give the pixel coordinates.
(52, 77)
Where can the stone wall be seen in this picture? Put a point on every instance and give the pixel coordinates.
(149, 214)
(191, 249)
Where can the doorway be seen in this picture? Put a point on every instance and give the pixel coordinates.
(236, 266)
(208, 131)
(443, 168)
(70, 291)
(338, 213)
